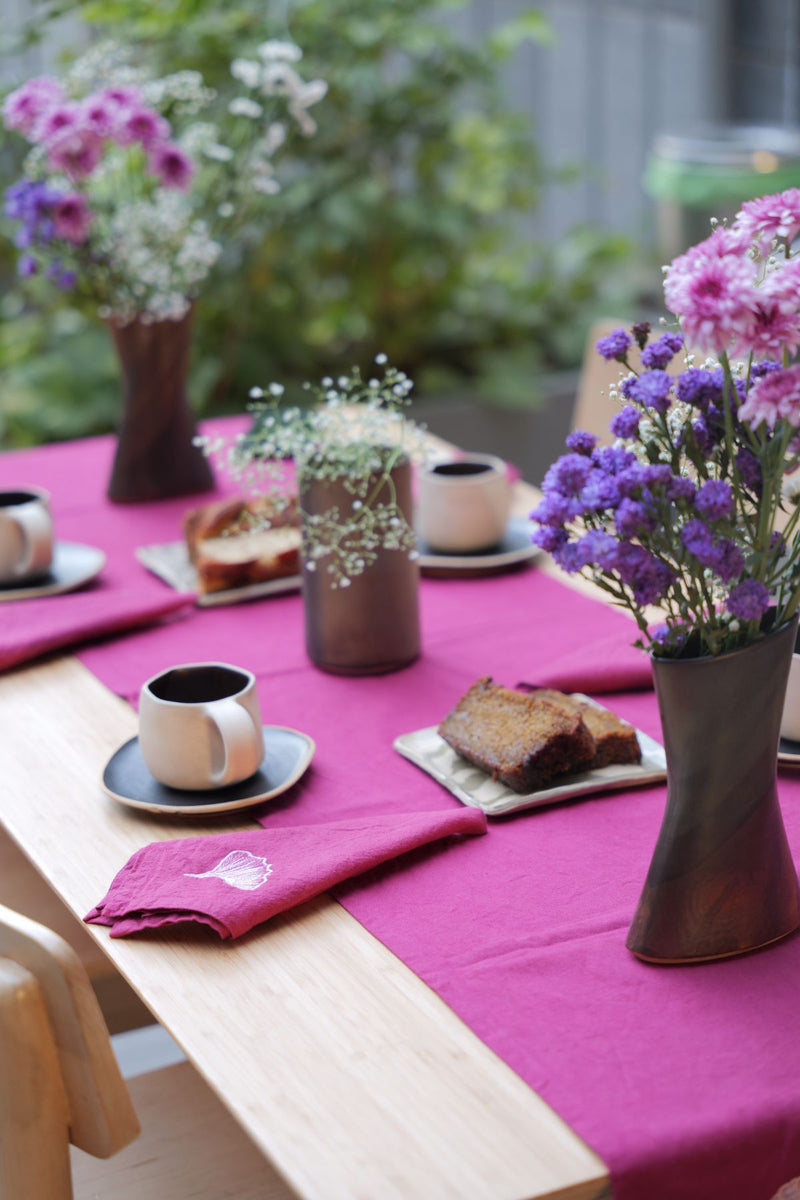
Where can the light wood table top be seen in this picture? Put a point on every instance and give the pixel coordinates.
(345, 1069)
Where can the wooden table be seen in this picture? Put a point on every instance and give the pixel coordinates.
(347, 1071)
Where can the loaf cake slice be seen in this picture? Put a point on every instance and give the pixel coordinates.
(235, 542)
(615, 739)
(522, 740)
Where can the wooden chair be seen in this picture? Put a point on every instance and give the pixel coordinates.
(60, 1084)
(23, 889)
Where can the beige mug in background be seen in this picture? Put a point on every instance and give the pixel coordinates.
(200, 726)
(790, 722)
(26, 534)
(463, 504)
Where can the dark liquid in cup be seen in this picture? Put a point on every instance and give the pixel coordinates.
(461, 468)
(198, 685)
(13, 499)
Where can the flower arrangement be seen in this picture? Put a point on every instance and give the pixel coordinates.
(133, 183)
(693, 508)
(355, 433)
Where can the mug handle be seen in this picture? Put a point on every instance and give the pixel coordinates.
(36, 527)
(235, 727)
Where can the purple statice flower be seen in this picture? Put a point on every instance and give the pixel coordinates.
(651, 390)
(641, 332)
(171, 166)
(568, 557)
(728, 560)
(763, 368)
(715, 500)
(613, 460)
(597, 548)
(632, 518)
(699, 387)
(601, 491)
(774, 397)
(749, 600)
(568, 474)
(750, 470)
(698, 540)
(659, 353)
(648, 578)
(707, 434)
(72, 218)
(554, 509)
(550, 538)
(625, 424)
(26, 266)
(681, 488)
(581, 442)
(614, 345)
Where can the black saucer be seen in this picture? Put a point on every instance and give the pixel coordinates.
(789, 751)
(73, 566)
(515, 548)
(287, 754)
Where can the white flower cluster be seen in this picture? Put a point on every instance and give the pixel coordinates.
(184, 91)
(105, 61)
(160, 255)
(273, 75)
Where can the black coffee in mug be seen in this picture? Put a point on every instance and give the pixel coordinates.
(462, 468)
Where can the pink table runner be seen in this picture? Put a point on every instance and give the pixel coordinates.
(687, 1080)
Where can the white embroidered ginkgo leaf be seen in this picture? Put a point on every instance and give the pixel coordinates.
(239, 869)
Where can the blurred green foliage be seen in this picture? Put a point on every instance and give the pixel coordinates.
(400, 229)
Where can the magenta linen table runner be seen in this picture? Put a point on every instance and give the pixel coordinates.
(685, 1080)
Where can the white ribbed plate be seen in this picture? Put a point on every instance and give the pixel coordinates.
(474, 787)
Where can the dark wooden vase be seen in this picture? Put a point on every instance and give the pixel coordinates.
(722, 880)
(371, 626)
(155, 455)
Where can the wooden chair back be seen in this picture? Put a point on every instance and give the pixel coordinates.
(59, 1079)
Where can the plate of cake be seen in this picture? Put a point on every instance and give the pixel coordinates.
(504, 750)
(232, 550)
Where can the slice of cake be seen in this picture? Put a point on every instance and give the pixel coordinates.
(522, 740)
(615, 739)
(236, 542)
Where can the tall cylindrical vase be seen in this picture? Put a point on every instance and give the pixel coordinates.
(155, 455)
(722, 880)
(370, 626)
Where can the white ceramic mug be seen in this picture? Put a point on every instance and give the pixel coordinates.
(200, 726)
(464, 504)
(26, 534)
(790, 722)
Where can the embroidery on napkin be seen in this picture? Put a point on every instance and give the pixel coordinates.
(239, 869)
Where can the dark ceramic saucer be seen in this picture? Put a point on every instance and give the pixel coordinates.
(287, 754)
(515, 548)
(789, 752)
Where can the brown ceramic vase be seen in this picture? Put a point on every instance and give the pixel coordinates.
(722, 880)
(155, 455)
(371, 626)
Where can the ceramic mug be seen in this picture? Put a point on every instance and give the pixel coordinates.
(26, 534)
(200, 726)
(464, 503)
(790, 722)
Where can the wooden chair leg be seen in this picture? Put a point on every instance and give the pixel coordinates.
(34, 1114)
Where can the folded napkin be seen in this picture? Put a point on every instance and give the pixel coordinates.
(29, 628)
(600, 665)
(232, 882)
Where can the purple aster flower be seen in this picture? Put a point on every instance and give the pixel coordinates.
(568, 557)
(171, 166)
(662, 351)
(697, 539)
(601, 491)
(699, 387)
(749, 600)
(728, 560)
(613, 459)
(614, 345)
(759, 369)
(549, 538)
(625, 424)
(648, 578)
(632, 518)
(581, 442)
(26, 266)
(651, 390)
(707, 434)
(715, 500)
(681, 488)
(554, 509)
(568, 474)
(596, 548)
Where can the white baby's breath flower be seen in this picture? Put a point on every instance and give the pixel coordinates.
(276, 389)
(280, 51)
(380, 359)
(255, 393)
(243, 106)
(218, 152)
(247, 72)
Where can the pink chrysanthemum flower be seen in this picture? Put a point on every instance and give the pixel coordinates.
(121, 97)
(142, 125)
(101, 116)
(56, 120)
(715, 296)
(173, 168)
(25, 106)
(774, 323)
(72, 218)
(773, 397)
(75, 151)
(768, 217)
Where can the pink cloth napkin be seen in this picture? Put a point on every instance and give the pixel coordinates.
(29, 628)
(599, 665)
(232, 882)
